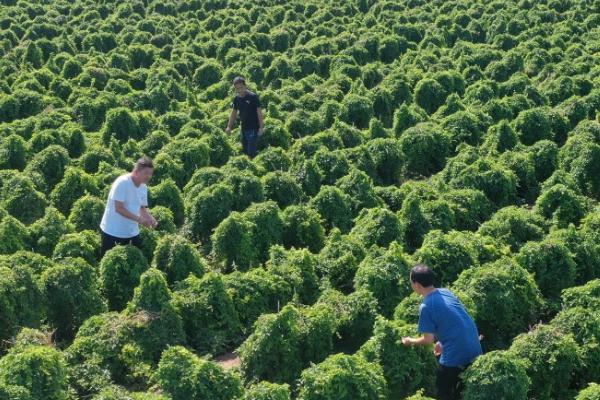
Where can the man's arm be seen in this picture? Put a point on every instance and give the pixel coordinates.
(424, 340)
(231, 121)
(261, 121)
(146, 214)
(120, 208)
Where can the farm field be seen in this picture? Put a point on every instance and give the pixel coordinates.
(460, 134)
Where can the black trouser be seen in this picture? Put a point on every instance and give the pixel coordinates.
(250, 142)
(109, 241)
(448, 383)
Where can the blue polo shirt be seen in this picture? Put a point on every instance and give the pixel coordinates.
(444, 316)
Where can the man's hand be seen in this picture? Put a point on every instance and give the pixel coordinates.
(437, 349)
(144, 220)
(228, 130)
(424, 340)
(147, 219)
(260, 131)
(153, 221)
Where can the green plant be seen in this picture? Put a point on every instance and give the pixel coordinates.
(332, 164)
(233, 246)
(178, 258)
(267, 391)
(533, 125)
(21, 298)
(419, 396)
(584, 325)
(447, 254)
(561, 205)
(339, 260)
(408, 309)
(71, 295)
(552, 264)
(184, 376)
(86, 213)
(17, 190)
(415, 225)
(167, 194)
(246, 187)
(592, 392)
(39, 369)
(388, 159)
(552, 359)
(45, 233)
(355, 315)
(430, 95)
(587, 295)
(256, 292)
(497, 182)
(85, 244)
(505, 297)
(358, 110)
(298, 268)
(13, 153)
(14, 236)
(425, 147)
(386, 276)
(377, 226)
(359, 186)
(497, 374)
(13, 392)
(51, 164)
(343, 377)
(385, 348)
(210, 320)
(514, 226)
(207, 210)
(268, 226)
(75, 184)
(302, 228)
(272, 351)
(282, 188)
(153, 322)
(120, 271)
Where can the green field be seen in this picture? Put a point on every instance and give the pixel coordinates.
(461, 134)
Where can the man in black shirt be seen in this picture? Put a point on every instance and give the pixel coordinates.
(248, 105)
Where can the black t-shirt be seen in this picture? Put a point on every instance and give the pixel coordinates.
(247, 107)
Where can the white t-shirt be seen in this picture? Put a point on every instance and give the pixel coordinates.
(135, 197)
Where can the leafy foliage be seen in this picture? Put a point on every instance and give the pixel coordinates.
(505, 297)
(464, 135)
(183, 375)
(497, 374)
(120, 271)
(417, 366)
(343, 377)
(71, 294)
(209, 318)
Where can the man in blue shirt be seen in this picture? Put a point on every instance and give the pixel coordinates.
(443, 316)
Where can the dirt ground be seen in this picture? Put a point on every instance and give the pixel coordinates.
(228, 360)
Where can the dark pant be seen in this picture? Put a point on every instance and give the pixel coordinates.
(448, 383)
(109, 241)
(250, 142)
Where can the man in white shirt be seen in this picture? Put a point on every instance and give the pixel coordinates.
(127, 208)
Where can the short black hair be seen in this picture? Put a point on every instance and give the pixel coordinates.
(422, 274)
(239, 79)
(143, 162)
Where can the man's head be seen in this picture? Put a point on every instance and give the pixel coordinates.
(421, 279)
(239, 84)
(142, 170)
